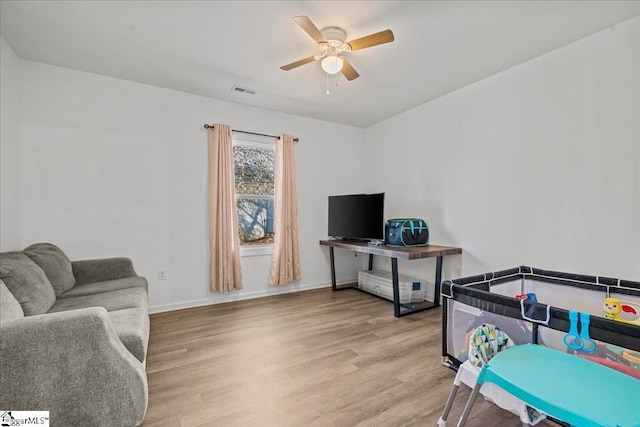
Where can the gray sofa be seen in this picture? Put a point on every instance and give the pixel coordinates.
(73, 337)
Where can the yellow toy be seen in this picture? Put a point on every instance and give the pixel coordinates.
(613, 308)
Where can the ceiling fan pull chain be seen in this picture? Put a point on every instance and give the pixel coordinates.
(328, 85)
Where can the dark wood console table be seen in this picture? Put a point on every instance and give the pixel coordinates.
(394, 253)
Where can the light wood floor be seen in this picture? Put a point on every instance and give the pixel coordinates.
(314, 358)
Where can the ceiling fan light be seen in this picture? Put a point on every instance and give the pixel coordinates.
(332, 64)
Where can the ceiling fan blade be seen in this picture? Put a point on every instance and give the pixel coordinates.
(382, 37)
(310, 28)
(348, 71)
(298, 63)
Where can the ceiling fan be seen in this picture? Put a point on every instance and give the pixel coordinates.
(332, 42)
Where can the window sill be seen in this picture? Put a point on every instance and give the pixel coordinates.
(260, 250)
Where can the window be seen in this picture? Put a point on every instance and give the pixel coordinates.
(254, 165)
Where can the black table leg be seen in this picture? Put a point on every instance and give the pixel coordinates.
(397, 307)
(436, 293)
(334, 284)
(399, 310)
(333, 269)
(396, 287)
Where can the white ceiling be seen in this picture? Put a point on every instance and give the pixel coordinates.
(206, 47)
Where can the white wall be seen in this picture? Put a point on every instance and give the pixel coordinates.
(537, 165)
(9, 148)
(115, 168)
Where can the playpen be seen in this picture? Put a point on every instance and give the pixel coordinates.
(540, 306)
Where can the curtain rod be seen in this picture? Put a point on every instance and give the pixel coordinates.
(206, 126)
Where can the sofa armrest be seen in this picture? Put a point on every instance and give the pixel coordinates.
(99, 270)
(74, 365)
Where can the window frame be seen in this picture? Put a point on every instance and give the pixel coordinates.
(254, 250)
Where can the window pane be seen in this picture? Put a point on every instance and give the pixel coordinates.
(254, 170)
(255, 221)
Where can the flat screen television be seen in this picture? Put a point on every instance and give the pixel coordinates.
(357, 217)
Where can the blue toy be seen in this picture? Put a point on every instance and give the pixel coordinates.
(579, 341)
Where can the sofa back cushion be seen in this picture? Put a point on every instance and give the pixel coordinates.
(27, 282)
(10, 308)
(55, 264)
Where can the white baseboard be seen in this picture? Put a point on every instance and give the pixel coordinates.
(243, 295)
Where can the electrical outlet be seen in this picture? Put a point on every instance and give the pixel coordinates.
(162, 274)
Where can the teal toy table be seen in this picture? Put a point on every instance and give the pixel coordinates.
(566, 387)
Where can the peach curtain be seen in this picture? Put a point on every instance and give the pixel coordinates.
(226, 274)
(285, 263)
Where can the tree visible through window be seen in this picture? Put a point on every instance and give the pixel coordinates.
(254, 171)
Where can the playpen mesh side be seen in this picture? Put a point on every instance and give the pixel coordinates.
(473, 304)
(583, 298)
(579, 298)
(462, 319)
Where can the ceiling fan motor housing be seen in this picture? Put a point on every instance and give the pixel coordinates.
(335, 43)
(334, 33)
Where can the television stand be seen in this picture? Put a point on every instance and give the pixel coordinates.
(394, 253)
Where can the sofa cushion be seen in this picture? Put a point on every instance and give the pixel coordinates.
(111, 301)
(132, 327)
(55, 264)
(10, 308)
(27, 282)
(106, 286)
(100, 270)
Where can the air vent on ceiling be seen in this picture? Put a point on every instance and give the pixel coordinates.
(243, 90)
